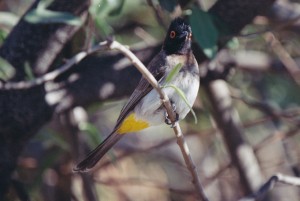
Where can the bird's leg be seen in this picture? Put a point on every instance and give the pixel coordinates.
(168, 120)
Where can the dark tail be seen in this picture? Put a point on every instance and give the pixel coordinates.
(94, 156)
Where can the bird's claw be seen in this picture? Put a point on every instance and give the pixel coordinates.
(168, 120)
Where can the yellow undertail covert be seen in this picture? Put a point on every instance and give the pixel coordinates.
(131, 124)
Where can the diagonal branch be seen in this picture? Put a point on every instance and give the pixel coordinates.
(289, 63)
(144, 71)
(53, 74)
(166, 102)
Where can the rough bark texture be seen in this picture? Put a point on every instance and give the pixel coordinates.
(23, 112)
(235, 14)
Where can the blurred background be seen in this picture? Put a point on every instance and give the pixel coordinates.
(260, 65)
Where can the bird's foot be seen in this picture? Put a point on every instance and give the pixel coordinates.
(168, 120)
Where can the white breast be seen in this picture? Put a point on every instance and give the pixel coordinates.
(150, 108)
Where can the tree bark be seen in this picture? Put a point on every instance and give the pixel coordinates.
(23, 112)
(96, 78)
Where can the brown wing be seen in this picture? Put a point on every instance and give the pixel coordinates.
(157, 68)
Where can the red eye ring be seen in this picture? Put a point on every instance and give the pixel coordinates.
(172, 34)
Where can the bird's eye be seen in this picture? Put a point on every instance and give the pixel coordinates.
(172, 34)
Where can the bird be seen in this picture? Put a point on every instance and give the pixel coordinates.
(144, 107)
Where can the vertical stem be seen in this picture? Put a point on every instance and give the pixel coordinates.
(227, 119)
(189, 161)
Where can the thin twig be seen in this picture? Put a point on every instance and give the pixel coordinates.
(267, 108)
(140, 66)
(280, 27)
(289, 63)
(158, 14)
(141, 182)
(269, 185)
(53, 74)
(277, 136)
(164, 143)
(78, 115)
(166, 102)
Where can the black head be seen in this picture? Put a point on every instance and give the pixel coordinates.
(178, 39)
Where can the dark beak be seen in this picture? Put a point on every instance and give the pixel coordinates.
(184, 34)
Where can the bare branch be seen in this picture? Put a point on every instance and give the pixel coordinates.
(269, 185)
(227, 119)
(70, 122)
(53, 74)
(277, 136)
(145, 183)
(290, 64)
(158, 14)
(166, 102)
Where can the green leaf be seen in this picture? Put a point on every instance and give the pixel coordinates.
(94, 139)
(101, 7)
(233, 43)
(117, 8)
(105, 28)
(59, 141)
(173, 73)
(51, 138)
(8, 19)
(204, 31)
(28, 72)
(93, 133)
(43, 4)
(43, 16)
(106, 8)
(168, 5)
(182, 95)
(7, 71)
(3, 35)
